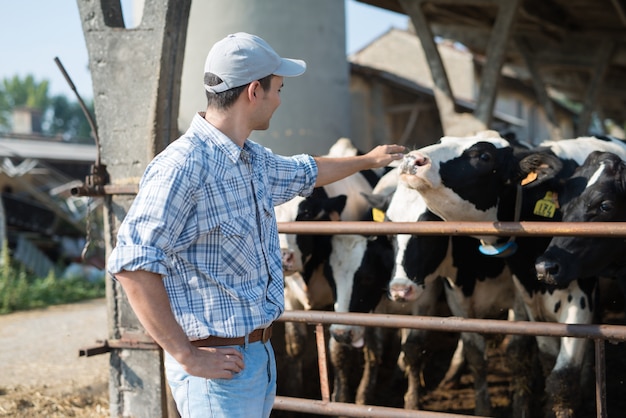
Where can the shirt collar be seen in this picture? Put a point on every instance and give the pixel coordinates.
(213, 135)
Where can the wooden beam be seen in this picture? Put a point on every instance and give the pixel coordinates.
(441, 89)
(603, 58)
(453, 123)
(620, 11)
(540, 87)
(496, 54)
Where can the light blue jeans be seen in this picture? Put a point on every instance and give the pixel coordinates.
(249, 394)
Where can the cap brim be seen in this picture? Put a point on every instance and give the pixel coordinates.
(290, 68)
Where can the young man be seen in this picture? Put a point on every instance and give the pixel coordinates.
(198, 253)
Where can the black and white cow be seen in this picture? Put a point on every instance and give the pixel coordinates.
(476, 286)
(342, 199)
(306, 285)
(360, 267)
(483, 178)
(353, 266)
(596, 192)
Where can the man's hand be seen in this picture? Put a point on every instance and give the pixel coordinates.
(331, 169)
(383, 155)
(213, 362)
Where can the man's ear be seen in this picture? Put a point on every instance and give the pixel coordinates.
(252, 89)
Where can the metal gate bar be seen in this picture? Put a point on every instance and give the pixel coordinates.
(615, 333)
(351, 410)
(599, 333)
(583, 229)
(452, 324)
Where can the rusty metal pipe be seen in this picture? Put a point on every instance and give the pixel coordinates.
(322, 362)
(301, 405)
(457, 324)
(107, 189)
(601, 411)
(587, 229)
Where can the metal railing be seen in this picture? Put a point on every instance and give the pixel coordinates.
(598, 332)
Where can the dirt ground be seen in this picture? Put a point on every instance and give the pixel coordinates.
(43, 376)
(42, 373)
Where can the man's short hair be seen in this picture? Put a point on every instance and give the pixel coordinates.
(227, 98)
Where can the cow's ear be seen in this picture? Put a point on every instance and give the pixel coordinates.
(378, 200)
(337, 203)
(537, 168)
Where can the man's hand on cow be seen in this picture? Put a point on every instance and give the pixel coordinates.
(383, 155)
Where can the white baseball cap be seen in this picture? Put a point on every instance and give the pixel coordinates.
(241, 58)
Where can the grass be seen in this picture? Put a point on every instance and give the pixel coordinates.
(20, 290)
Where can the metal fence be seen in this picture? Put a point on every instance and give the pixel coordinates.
(597, 332)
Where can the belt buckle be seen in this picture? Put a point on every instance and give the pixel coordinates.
(265, 336)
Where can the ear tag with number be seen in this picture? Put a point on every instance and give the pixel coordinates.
(547, 206)
(378, 215)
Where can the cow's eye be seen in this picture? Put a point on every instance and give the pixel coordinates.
(485, 156)
(606, 206)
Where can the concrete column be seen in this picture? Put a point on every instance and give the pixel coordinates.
(315, 110)
(136, 85)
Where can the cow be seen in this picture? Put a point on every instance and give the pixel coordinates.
(483, 178)
(475, 286)
(306, 286)
(323, 204)
(596, 192)
(358, 267)
(327, 257)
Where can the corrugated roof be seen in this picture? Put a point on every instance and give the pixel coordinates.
(47, 150)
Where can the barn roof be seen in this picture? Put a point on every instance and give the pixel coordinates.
(47, 150)
(568, 40)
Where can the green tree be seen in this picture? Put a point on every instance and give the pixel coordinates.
(61, 115)
(16, 91)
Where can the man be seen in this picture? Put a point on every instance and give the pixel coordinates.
(198, 253)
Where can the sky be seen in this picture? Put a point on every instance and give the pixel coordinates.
(34, 32)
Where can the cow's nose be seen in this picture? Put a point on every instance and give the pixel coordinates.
(288, 258)
(547, 270)
(341, 335)
(420, 159)
(412, 161)
(402, 292)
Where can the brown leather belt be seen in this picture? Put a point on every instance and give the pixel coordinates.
(257, 335)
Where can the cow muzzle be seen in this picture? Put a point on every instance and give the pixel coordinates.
(289, 261)
(412, 162)
(547, 270)
(403, 290)
(346, 334)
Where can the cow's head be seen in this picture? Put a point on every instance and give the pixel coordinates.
(596, 192)
(360, 268)
(417, 258)
(304, 252)
(467, 179)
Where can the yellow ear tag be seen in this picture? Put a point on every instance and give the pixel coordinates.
(378, 215)
(547, 206)
(529, 178)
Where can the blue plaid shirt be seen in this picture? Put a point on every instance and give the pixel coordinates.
(204, 220)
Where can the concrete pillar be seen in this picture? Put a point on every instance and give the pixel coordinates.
(315, 111)
(136, 85)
